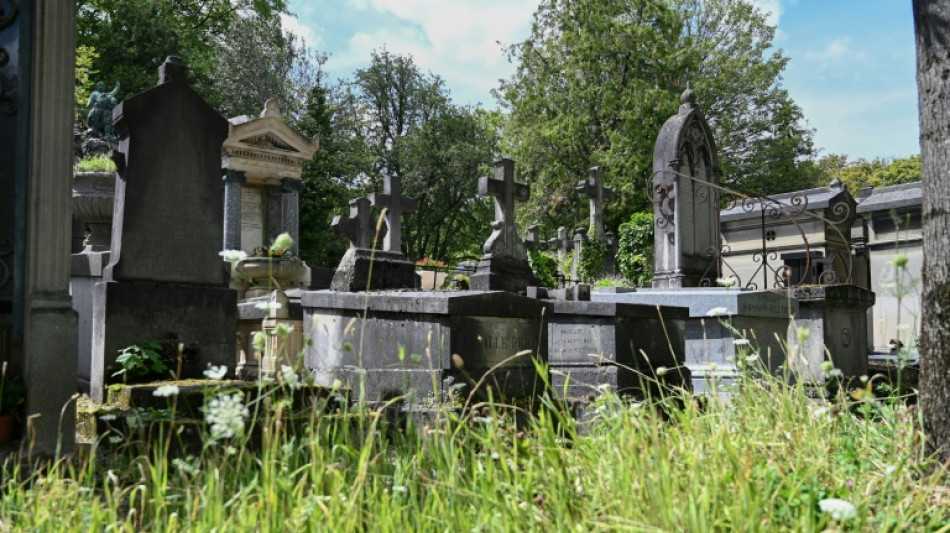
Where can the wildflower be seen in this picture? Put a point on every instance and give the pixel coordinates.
(900, 261)
(107, 418)
(290, 377)
(259, 341)
(281, 243)
(233, 256)
(890, 470)
(336, 384)
(726, 282)
(215, 372)
(718, 311)
(821, 413)
(662, 371)
(802, 334)
(399, 488)
(165, 391)
(283, 330)
(741, 342)
(115, 440)
(838, 509)
(225, 413)
(751, 357)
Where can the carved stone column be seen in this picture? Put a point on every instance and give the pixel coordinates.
(233, 183)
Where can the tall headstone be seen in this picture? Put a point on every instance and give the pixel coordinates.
(364, 268)
(594, 189)
(165, 278)
(505, 264)
(685, 199)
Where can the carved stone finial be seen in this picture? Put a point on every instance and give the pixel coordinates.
(688, 98)
(271, 109)
(172, 69)
(836, 184)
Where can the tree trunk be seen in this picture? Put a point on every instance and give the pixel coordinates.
(932, 26)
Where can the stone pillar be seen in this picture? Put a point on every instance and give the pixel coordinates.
(580, 238)
(290, 207)
(610, 260)
(233, 183)
(50, 326)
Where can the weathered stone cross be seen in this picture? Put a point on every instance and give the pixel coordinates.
(358, 227)
(533, 240)
(504, 239)
(593, 188)
(396, 204)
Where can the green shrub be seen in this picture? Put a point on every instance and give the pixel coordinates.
(592, 260)
(545, 268)
(635, 249)
(95, 163)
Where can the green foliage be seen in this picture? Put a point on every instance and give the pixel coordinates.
(879, 172)
(591, 266)
(139, 360)
(85, 78)
(635, 248)
(596, 80)
(95, 163)
(544, 267)
(611, 281)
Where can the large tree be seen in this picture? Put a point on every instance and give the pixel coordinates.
(597, 78)
(932, 27)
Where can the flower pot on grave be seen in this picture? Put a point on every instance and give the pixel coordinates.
(431, 279)
(269, 273)
(93, 199)
(6, 428)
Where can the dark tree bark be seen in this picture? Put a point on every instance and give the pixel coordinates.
(932, 27)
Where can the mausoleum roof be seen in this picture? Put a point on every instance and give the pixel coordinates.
(892, 197)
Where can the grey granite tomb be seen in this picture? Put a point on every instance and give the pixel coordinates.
(505, 264)
(165, 277)
(426, 344)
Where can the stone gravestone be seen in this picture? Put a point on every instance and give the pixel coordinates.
(263, 159)
(505, 263)
(165, 279)
(593, 188)
(363, 268)
(685, 199)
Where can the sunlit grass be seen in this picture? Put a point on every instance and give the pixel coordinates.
(761, 462)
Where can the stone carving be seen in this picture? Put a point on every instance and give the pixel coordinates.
(594, 189)
(359, 227)
(396, 204)
(101, 103)
(505, 263)
(685, 201)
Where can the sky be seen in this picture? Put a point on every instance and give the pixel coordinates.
(851, 62)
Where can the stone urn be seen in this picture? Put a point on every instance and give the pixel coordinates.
(269, 273)
(93, 199)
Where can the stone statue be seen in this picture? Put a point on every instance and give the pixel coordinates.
(100, 117)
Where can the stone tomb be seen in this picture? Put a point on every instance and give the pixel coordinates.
(165, 277)
(426, 343)
(592, 344)
(761, 317)
(263, 160)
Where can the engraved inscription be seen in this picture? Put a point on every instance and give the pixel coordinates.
(574, 343)
(252, 225)
(486, 342)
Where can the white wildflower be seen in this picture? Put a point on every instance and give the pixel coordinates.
(107, 418)
(225, 413)
(751, 358)
(115, 440)
(718, 311)
(291, 379)
(662, 371)
(282, 330)
(233, 256)
(215, 372)
(741, 342)
(166, 390)
(821, 413)
(802, 334)
(838, 509)
(259, 341)
(726, 282)
(890, 470)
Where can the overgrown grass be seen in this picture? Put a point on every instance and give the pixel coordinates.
(761, 462)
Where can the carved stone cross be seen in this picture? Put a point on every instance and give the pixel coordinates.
(504, 239)
(561, 243)
(358, 227)
(593, 188)
(533, 240)
(396, 204)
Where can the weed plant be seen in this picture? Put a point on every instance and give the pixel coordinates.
(768, 460)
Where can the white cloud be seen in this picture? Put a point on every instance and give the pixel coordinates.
(772, 9)
(460, 40)
(293, 25)
(838, 52)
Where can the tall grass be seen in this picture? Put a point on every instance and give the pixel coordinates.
(760, 462)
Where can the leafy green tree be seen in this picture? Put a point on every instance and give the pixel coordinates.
(596, 80)
(133, 37)
(878, 172)
(255, 60)
(635, 249)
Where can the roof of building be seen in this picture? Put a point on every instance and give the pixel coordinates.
(790, 202)
(892, 197)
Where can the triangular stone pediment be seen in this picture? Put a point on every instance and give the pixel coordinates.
(270, 134)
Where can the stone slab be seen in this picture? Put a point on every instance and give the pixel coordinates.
(836, 318)
(129, 313)
(459, 336)
(361, 269)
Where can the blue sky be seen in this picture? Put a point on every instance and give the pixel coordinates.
(851, 62)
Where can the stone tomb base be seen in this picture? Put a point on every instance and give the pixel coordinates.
(383, 270)
(405, 344)
(761, 317)
(128, 313)
(592, 344)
